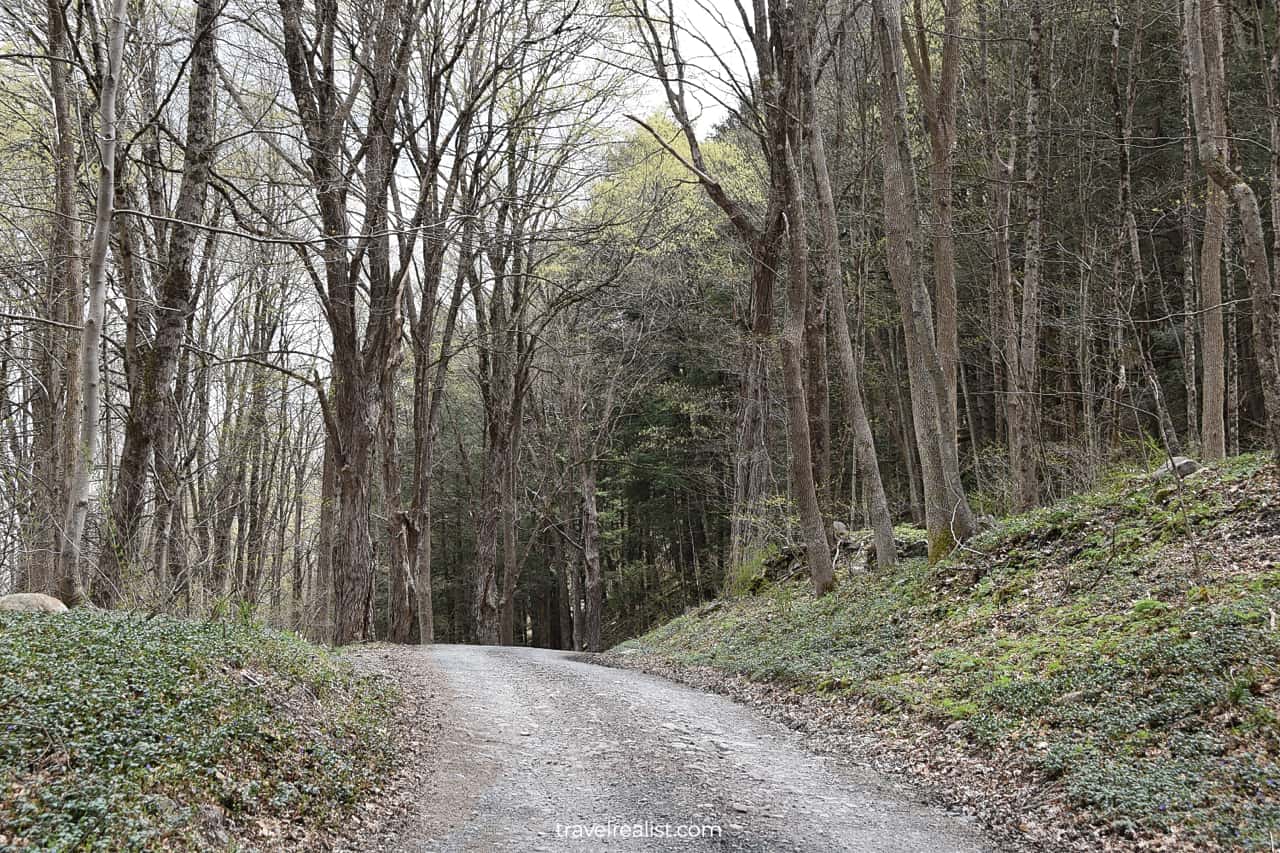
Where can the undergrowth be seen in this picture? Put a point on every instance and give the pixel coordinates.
(1124, 641)
(127, 733)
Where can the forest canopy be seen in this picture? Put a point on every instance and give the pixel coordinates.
(540, 321)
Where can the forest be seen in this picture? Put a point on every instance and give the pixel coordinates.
(537, 322)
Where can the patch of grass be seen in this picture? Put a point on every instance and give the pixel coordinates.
(117, 731)
(1129, 634)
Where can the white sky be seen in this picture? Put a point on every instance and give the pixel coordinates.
(715, 42)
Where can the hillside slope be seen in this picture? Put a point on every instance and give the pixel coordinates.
(128, 733)
(1100, 673)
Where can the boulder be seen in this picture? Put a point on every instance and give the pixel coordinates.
(1180, 465)
(32, 602)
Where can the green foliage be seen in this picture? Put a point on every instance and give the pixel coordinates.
(1101, 628)
(118, 729)
(747, 577)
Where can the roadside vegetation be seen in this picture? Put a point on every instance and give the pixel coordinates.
(132, 733)
(1122, 645)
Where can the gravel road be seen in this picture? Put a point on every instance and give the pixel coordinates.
(540, 750)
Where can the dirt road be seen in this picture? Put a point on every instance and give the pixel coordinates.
(539, 750)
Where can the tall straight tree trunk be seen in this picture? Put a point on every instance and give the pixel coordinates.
(1273, 310)
(805, 492)
(1205, 65)
(1213, 387)
(947, 513)
(593, 610)
(1024, 406)
(939, 99)
(56, 402)
(70, 578)
(1190, 297)
(866, 459)
(176, 302)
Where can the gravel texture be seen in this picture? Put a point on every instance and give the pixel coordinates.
(528, 749)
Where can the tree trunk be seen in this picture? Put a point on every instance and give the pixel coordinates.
(939, 101)
(817, 547)
(55, 417)
(947, 514)
(176, 300)
(360, 355)
(1212, 420)
(1025, 405)
(352, 546)
(594, 598)
(866, 458)
(1273, 309)
(70, 578)
(1203, 36)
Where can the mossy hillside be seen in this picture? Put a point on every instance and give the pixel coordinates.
(127, 733)
(1125, 641)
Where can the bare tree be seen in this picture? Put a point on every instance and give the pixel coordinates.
(939, 100)
(1203, 45)
(772, 118)
(353, 264)
(71, 582)
(831, 264)
(947, 512)
(150, 421)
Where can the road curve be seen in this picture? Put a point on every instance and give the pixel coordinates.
(541, 751)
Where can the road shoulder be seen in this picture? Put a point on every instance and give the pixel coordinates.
(412, 795)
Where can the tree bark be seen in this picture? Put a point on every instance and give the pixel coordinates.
(55, 400)
(1024, 405)
(1212, 420)
(176, 302)
(353, 413)
(939, 100)
(70, 577)
(1203, 46)
(805, 492)
(948, 516)
(866, 458)
(1190, 300)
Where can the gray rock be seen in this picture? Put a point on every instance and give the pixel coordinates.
(1181, 465)
(32, 602)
